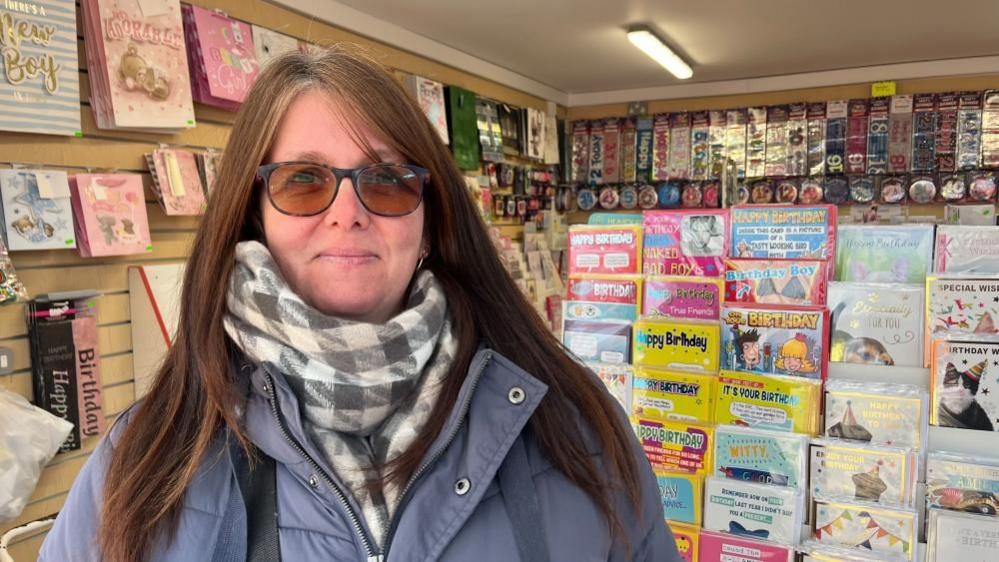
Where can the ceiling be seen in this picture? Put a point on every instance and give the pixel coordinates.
(580, 46)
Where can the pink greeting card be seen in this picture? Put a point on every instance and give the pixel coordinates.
(723, 547)
(223, 59)
(685, 243)
(111, 213)
(179, 182)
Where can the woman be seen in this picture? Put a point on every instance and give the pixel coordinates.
(353, 357)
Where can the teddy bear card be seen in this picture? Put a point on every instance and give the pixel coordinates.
(111, 210)
(37, 212)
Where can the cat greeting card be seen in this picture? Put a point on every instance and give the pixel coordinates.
(964, 379)
(884, 253)
(36, 211)
(778, 340)
(685, 243)
(111, 212)
(877, 323)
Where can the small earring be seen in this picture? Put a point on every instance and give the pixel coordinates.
(423, 256)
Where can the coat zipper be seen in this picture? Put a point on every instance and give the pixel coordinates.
(355, 521)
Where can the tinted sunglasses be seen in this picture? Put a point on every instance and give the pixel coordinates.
(305, 189)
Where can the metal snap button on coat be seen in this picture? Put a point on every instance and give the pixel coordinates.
(516, 395)
(313, 481)
(461, 487)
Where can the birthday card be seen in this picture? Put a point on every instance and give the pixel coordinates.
(776, 340)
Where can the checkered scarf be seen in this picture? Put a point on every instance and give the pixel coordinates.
(365, 390)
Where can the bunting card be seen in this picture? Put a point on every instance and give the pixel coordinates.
(111, 214)
(682, 496)
(783, 232)
(675, 446)
(797, 140)
(768, 402)
(685, 242)
(761, 456)
(856, 136)
(672, 344)
(679, 146)
(877, 323)
(884, 253)
(961, 536)
(429, 95)
(41, 90)
(964, 382)
(900, 134)
(836, 129)
(664, 395)
(36, 210)
(687, 539)
(725, 547)
(756, 142)
(690, 298)
(755, 511)
(886, 414)
(813, 551)
(946, 135)
(848, 469)
(776, 142)
(961, 306)
(962, 483)
(969, 130)
(877, 137)
(735, 139)
(603, 298)
(660, 147)
(604, 249)
(783, 340)
(618, 380)
(860, 525)
(967, 249)
(794, 282)
(817, 138)
(718, 154)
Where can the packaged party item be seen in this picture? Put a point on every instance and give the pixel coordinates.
(990, 129)
(813, 551)
(924, 128)
(877, 137)
(603, 342)
(700, 147)
(784, 340)
(682, 496)
(756, 142)
(795, 282)
(816, 114)
(969, 130)
(735, 139)
(687, 539)
(856, 136)
(768, 402)
(111, 214)
(757, 455)
(756, 511)
(967, 249)
(618, 380)
(964, 382)
(177, 182)
(11, 288)
(866, 525)
(797, 140)
(837, 113)
(981, 186)
(877, 323)
(679, 146)
(675, 446)
(685, 242)
(783, 232)
(221, 56)
(717, 153)
(886, 414)
(580, 148)
(958, 306)
(946, 135)
(612, 150)
(962, 483)
(776, 141)
(36, 210)
(660, 147)
(604, 249)
(884, 253)
(900, 134)
(875, 473)
(970, 215)
(491, 139)
(862, 189)
(664, 395)
(673, 344)
(726, 547)
(961, 536)
(603, 298)
(41, 92)
(693, 298)
(629, 150)
(643, 149)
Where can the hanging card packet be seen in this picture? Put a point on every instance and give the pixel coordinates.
(969, 131)
(794, 282)
(924, 128)
(755, 511)
(877, 136)
(36, 210)
(856, 136)
(780, 340)
(664, 395)
(768, 402)
(222, 57)
(900, 134)
(580, 151)
(776, 141)
(797, 140)
(946, 133)
(700, 145)
(612, 151)
(735, 139)
(693, 298)
(761, 456)
(756, 142)
(111, 213)
(660, 147)
(816, 114)
(837, 113)
(717, 150)
(990, 129)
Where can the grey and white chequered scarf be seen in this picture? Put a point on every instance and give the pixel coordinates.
(365, 390)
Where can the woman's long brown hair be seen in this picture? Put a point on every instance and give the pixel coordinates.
(195, 394)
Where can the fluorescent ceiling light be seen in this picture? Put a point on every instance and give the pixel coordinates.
(651, 45)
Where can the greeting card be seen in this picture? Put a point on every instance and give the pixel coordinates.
(601, 342)
(36, 211)
(725, 547)
(604, 249)
(884, 253)
(961, 536)
(878, 529)
(618, 380)
(841, 468)
(964, 382)
(957, 306)
(429, 95)
(41, 92)
(779, 340)
(222, 57)
(269, 44)
(962, 483)
(761, 456)
(675, 446)
(768, 402)
(681, 495)
(673, 396)
(111, 214)
(877, 323)
(783, 232)
(682, 298)
(967, 249)
(177, 182)
(888, 414)
(602, 298)
(670, 344)
(685, 243)
(776, 281)
(756, 511)
(687, 539)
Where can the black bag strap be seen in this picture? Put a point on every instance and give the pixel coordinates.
(259, 489)
(521, 500)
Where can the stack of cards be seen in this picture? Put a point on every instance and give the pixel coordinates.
(724, 547)
(687, 539)
(847, 469)
(884, 253)
(954, 536)
(668, 344)
(790, 282)
(761, 456)
(877, 323)
(755, 511)
(883, 530)
(692, 298)
(777, 340)
(784, 232)
(673, 395)
(604, 249)
(768, 402)
(676, 446)
(682, 496)
(222, 57)
(36, 210)
(964, 382)
(685, 243)
(598, 298)
(886, 414)
(967, 249)
(429, 95)
(957, 306)
(177, 181)
(618, 380)
(962, 483)
(111, 214)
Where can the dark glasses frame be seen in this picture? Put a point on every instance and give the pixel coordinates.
(264, 175)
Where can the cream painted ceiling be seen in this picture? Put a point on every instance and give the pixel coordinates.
(580, 46)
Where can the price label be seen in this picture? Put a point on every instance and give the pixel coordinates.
(882, 89)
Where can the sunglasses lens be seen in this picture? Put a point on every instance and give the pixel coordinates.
(301, 189)
(390, 190)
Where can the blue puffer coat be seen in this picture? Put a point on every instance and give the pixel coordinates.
(455, 511)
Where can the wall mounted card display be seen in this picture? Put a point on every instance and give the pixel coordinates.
(618, 379)
(675, 446)
(596, 152)
(884, 253)
(603, 298)
(837, 114)
(221, 56)
(644, 149)
(660, 147)
(62, 332)
(36, 210)
(690, 298)
(877, 323)
(776, 141)
(967, 249)
(681, 495)
(964, 382)
(794, 282)
(580, 170)
(877, 136)
(848, 469)
(685, 242)
(612, 151)
(924, 128)
(700, 146)
(429, 95)
(900, 134)
(725, 547)
(269, 44)
(781, 340)
(817, 138)
(867, 526)
(717, 154)
(768, 402)
(664, 395)
(735, 139)
(629, 150)
(946, 135)
(672, 344)
(962, 483)
(687, 539)
(756, 511)
(895, 415)
(601, 342)
(761, 456)
(961, 536)
(969, 130)
(990, 129)
(958, 306)
(813, 551)
(856, 136)
(41, 93)
(784, 232)
(797, 140)
(604, 249)
(11, 288)
(110, 211)
(177, 182)
(679, 145)
(756, 142)
(138, 69)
